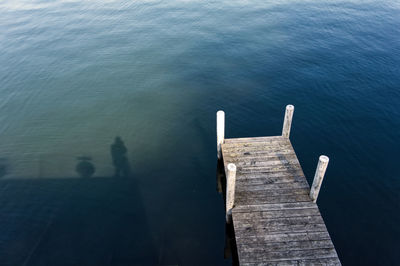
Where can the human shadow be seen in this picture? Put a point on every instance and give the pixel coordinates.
(119, 158)
(3, 167)
(84, 167)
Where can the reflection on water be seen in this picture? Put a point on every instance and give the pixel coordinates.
(92, 220)
(70, 221)
(230, 249)
(39, 165)
(120, 161)
(58, 165)
(85, 168)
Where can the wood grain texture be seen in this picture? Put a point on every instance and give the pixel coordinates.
(274, 218)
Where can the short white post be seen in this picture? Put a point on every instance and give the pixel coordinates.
(319, 176)
(220, 132)
(287, 122)
(230, 191)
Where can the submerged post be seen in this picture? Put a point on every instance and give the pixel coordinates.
(220, 132)
(230, 190)
(287, 123)
(319, 176)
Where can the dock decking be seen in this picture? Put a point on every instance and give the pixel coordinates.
(274, 218)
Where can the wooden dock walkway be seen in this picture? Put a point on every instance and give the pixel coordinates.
(274, 214)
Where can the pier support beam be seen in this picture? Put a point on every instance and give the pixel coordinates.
(287, 123)
(220, 131)
(319, 176)
(230, 190)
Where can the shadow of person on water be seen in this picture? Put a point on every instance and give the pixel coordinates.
(85, 168)
(120, 161)
(3, 167)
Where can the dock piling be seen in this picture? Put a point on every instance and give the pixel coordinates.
(220, 131)
(318, 177)
(273, 212)
(287, 123)
(230, 190)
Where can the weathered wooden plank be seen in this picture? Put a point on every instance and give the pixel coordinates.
(272, 173)
(259, 153)
(276, 159)
(320, 261)
(283, 147)
(278, 156)
(265, 147)
(269, 223)
(281, 182)
(276, 181)
(246, 228)
(263, 163)
(275, 206)
(274, 176)
(270, 194)
(283, 165)
(273, 214)
(259, 186)
(287, 254)
(269, 169)
(283, 237)
(301, 223)
(271, 207)
(271, 147)
(285, 245)
(331, 261)
(253, 191)
(254, 139)
(266, 165)
(281, 228)
(260, 199)
(284, 161)
(243, 234)
(272, 151)
(274, 199)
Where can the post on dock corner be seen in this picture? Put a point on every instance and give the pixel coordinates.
(220, 132)
(318, 177)
(287, 122)
(230, 191)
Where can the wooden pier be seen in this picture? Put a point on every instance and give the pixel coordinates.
(275, 216)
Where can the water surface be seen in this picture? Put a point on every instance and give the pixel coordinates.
(76, 74)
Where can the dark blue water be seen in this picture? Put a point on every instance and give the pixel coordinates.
(76, 74)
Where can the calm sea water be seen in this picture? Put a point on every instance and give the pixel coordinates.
(76, 74)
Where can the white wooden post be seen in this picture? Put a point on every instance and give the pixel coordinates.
(287, 122)
(230, 191)
(319, 176)
(220, 132)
